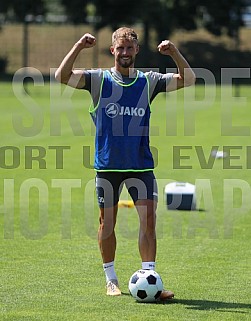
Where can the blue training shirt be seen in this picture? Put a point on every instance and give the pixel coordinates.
(121, 117)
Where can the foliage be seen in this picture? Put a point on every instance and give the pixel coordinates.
(113, 13)
(23, 8)
(164, 16)
(76, 10)
(221, 15)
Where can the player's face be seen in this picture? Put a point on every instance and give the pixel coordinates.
(124, 52)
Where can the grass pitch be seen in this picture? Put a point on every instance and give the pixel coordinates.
(50, 264)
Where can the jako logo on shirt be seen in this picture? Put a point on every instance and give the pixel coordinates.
(113, 109)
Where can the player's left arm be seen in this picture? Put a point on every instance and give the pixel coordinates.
(185, 76)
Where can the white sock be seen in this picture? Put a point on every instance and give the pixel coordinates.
(109, 270)
(148, 265)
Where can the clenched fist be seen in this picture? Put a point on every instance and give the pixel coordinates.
(87, 41)
(166, 47)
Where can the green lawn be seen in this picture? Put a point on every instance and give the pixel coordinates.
(50, 264)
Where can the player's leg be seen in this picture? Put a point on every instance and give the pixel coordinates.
(147, 238)
(143, 189)
(146, 208)
(106, 233)
(107, 193)
(147, 235)
(107, 245)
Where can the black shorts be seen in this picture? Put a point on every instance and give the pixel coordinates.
(140, 185)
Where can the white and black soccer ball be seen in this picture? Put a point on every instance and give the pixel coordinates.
(145, 285)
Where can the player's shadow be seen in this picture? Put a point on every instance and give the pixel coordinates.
(211, 305)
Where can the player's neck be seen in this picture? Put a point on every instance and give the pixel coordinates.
(126, 72)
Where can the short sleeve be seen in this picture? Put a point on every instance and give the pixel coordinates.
(93, 79)
(158, 82)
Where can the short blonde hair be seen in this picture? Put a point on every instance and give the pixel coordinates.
(124, 33)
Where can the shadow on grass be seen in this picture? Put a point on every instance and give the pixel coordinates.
(204, 305)
(211, 305)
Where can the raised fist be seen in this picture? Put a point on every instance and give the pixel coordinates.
(87, 41)
(166, 47)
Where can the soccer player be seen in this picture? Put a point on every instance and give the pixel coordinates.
(121, 112)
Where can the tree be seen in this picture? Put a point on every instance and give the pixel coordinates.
(113, 13)
(76, 10)
(163, 16)
(223, 16)
(23, 8)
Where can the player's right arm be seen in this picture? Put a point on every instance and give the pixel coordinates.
(65, 73)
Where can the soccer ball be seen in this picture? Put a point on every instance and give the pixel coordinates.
(145, 285)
